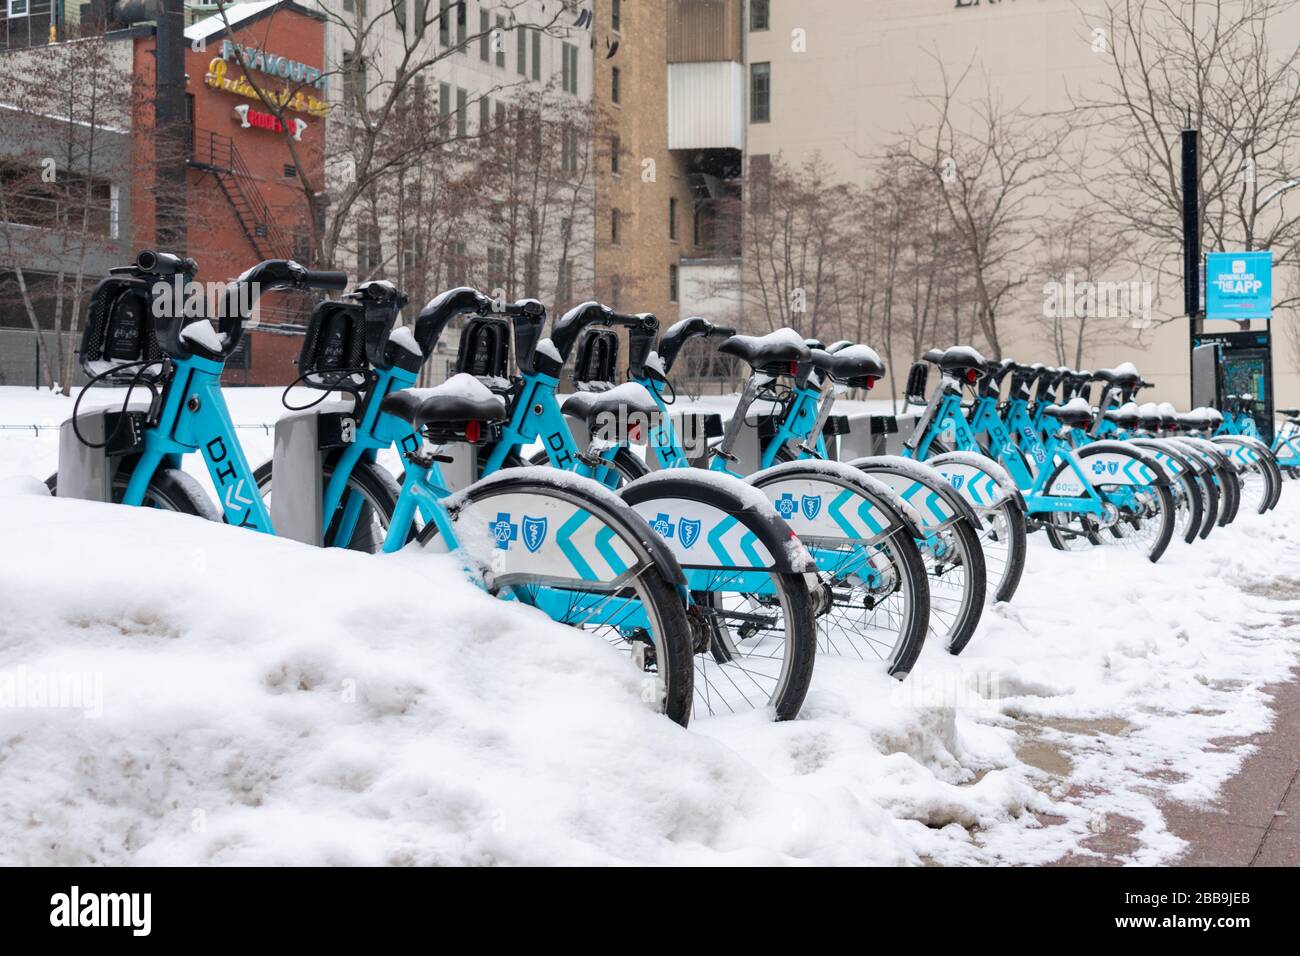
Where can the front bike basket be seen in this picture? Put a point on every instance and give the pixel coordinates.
(595, 365)
(334, 347)
(119, 333)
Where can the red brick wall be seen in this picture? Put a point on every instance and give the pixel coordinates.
(216, 238)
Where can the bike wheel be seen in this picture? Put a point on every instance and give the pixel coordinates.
(881, 616)
(760, 646)
(372, 484)
(1004, 539)
(644, 617)
(1002, 535)
(170, 489)
(1138, 518)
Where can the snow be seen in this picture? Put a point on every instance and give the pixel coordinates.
(263, 702)
(203, 334)
(404, 338)
(547, 348)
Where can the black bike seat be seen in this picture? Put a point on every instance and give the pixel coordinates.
(462, 398)
(1124, 376)
(1076, 413)
(1126, 416)
(784, 346)
(958, 360)
(853, 365)
(1196, 420)
(622, 400)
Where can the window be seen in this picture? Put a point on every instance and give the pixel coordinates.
(458, 264)
(615, 76)
(410, 256)
(500, 114)
(521, 51)
(444, 22)
(569, 68)
(496, 270)
(616, 16)
(419, 90)
(484, 115)
(758, 15)
(615, 222)
(760, 182)
(301, 244)
(672, 218)
(672, 283)
(444, 100)
(499, 41)
(615, 155)
(564, 285)
(537, 55)
(370, 257)
(290, 171)
(399, 12)
(760, 93)
(354, 78)
(616, 291)
(569, 149)
(462, 112)
(461, 26)
(484, 36)
(696, 227)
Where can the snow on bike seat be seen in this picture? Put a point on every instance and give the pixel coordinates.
(782, 347)
(462, 398)
(625, 398)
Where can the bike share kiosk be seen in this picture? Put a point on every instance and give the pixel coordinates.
(1234, 370)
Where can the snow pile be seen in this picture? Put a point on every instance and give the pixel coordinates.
(265, 702)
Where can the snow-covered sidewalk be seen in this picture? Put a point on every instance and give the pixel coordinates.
(260, 701)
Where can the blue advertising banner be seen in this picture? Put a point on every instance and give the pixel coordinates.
(1239, 285)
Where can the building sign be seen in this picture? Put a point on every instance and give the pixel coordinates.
(273, 65)
(300, 101)
(1239, 285)
(250, 118)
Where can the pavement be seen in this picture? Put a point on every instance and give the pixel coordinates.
(1254, 821)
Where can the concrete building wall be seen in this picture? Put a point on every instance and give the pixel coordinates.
(635, 273)
(848, 75)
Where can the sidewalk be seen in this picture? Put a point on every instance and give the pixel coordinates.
(1256, 820)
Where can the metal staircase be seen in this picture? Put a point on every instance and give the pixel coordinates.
(216, 154)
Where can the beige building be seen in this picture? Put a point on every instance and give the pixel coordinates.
(842, 77)
(645, 209)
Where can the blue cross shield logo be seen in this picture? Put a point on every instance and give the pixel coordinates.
(956, 481)
(534, 533)
(690, 533)
(786, 506)
(503, 531)
(811, 504)
(1113, 467)
(662, 526)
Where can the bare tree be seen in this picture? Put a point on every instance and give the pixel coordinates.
(58, 188)
(991, 164)
(1229, 68)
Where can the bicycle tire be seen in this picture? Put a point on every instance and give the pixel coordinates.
(170, 489)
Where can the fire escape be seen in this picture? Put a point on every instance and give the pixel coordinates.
(216, 154)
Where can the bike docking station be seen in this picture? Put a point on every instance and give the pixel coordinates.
(118, 345)
(1236, 368)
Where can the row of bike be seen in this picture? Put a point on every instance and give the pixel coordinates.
(720, 578)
